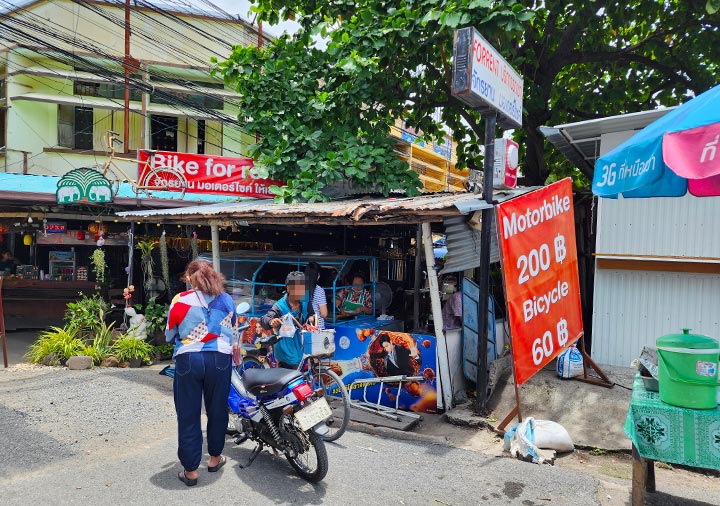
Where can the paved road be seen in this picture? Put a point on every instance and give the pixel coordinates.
(364, 470)
(106, 437)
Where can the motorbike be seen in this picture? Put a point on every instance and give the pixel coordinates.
(277, 408)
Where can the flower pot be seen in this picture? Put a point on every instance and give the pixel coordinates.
(135, 362)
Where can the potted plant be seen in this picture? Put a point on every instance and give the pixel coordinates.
(134, 351)
(164, 351)
(87, 315)
(156, 318)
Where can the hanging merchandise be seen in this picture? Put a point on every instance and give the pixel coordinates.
(194, 245)
(164, 259)
(98, 261)
(27, 240)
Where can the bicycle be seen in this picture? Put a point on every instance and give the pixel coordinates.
(319, 374)
(154, 179)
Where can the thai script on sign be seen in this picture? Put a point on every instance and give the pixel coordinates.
(611, 173)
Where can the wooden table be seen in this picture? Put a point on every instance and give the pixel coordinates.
(29, 303)
(666, 433)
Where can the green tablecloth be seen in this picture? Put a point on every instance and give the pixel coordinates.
(667, 433)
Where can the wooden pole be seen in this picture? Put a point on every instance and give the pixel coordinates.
(445, 390)
(2, 328)
(215, 235)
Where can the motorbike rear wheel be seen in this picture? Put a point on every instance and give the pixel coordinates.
(312, 463)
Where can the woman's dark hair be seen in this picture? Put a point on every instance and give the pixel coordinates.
(203, 277)
(384, 339)
(361, 276)
(312, 272)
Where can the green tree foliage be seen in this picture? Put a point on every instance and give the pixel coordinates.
(322, 115)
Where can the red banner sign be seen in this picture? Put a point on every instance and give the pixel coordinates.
(218, 175)
(537, 241)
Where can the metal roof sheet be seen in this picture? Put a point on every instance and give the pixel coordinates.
(359, 211)
(580, 141)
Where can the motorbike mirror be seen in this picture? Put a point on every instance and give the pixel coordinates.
(242, 308)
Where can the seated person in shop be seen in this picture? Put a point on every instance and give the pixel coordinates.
(355, 301)
(288, 350)
(452, 311)
(7, 261)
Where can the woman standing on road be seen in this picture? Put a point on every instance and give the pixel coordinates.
(200, 323)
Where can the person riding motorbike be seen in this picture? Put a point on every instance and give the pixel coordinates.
(288, 350)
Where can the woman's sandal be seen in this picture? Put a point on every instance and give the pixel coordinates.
(221, 462)
(190, 482)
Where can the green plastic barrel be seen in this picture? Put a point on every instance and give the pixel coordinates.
(688, 370)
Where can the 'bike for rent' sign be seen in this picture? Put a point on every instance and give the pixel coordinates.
(218, 175)
(537, 240)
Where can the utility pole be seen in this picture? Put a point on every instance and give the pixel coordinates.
(484, 275)
(126, 64)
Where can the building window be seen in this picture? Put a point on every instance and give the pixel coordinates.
(75, 127)
(181, 98)
(201, 137)
(104, 90)
(163, 133)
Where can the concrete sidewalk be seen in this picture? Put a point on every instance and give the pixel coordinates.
(592, 415)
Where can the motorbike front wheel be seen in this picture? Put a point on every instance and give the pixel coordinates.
(312, 463)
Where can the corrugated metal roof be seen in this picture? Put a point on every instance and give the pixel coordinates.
(361, 211)
(463, 244)
(367, 211)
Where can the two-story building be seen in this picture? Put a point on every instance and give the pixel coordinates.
(63, 85)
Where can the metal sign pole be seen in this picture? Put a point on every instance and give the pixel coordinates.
(484, 278)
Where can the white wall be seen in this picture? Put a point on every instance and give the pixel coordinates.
(633, 308)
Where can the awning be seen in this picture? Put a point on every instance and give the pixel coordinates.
(31, 189)
(580, 142)
(117, 105)
(79, 75)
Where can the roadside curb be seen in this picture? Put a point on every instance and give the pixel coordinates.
(389, 433)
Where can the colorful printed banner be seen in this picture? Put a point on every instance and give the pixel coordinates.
(537, 241)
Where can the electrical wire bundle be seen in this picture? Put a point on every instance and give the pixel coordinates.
(161, 29)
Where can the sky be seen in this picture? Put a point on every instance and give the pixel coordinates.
(242, 7)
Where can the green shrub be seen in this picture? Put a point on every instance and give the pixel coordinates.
(128, 348)
(62, 341)
(86, 314)
(165, 350)
(155, 315)
(100, 347)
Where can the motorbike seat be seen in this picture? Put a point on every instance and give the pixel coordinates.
(261, 382)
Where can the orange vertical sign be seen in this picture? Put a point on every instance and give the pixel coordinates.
(536, 233)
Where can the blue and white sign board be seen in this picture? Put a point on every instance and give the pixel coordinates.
(484, 80)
